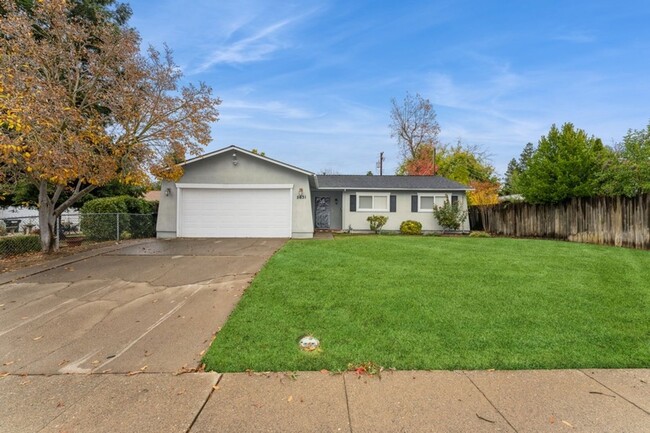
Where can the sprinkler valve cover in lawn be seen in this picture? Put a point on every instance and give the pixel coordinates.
(309, 343)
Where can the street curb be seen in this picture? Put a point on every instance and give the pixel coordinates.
(19, 274)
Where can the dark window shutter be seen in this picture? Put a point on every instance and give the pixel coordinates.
(393, 203)
(414, 203)
(353, 203)
(454, 199)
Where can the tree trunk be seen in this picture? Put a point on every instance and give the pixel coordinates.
(46, 220)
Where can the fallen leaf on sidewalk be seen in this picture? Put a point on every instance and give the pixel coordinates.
(144, 368)
(133, 373)
(65, 361)
(181, 392)
(485, 419)
(567, 423)
(37, 338)
(215, 387)
(184, 369)
(2, 305)
(60, 404)
(8, 362)
(324, 371)
(3, 374)
(290, 398)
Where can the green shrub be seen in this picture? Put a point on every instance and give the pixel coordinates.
(99, 219)
(377, 222)
(14, 245)
(410, 227)
(479, 235)
(449, 216)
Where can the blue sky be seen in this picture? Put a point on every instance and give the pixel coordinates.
(310, 82)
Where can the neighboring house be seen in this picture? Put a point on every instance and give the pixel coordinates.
(152, 196)
(236, 193)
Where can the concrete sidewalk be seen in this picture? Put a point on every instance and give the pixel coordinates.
(405, 401)
(438, 401)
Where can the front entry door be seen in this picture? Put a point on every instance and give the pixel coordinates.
(322, 212)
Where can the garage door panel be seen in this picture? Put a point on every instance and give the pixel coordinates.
(235, 213)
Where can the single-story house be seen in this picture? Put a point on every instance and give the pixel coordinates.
(233, 192)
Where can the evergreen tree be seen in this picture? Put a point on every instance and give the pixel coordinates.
(566, 163)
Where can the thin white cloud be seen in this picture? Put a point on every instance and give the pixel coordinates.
(575, 36)
(250, 49)
(273, 108)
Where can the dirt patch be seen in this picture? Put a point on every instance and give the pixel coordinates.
(13, 263)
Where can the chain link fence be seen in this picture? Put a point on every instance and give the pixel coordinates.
(20, 235)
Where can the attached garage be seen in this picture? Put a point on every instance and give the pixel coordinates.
(236, 193)
(234, 211)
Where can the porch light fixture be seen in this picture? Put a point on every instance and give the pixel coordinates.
(301, 194)
(234, 159)
(167, 192)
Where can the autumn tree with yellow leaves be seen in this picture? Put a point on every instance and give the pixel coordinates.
(81, 106)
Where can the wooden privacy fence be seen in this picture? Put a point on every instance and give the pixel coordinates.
(619, 221)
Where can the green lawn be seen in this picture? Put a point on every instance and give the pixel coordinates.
(442, 303)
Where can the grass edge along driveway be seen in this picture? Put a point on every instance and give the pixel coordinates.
(442, 303)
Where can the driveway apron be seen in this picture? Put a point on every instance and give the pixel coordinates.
(151, 307)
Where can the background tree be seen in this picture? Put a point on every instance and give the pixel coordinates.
(514, 170)
(80, 105)
(465, 163)
(566, 163)
(90, 10)
(413, 123)
(627, 171)
(483, 195)
(421, 164)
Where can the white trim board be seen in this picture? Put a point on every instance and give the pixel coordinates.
(235, 185)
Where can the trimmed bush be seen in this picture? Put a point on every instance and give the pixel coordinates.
(14, 245)
(99, 217)
(410, 227)
(479, 235)
(449, 216)
(377, 222)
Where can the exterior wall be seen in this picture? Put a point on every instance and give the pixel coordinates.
(220, 169)
(336, 203)
(356, 221)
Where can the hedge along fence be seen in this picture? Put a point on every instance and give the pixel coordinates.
(14, 245)
(619, 221)
(118, 218)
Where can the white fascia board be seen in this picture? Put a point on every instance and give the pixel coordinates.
(235, 185)
(393, 189)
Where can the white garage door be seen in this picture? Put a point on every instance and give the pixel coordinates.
(234, 213)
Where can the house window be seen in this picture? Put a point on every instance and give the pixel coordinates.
(428, 201)
(373, 202)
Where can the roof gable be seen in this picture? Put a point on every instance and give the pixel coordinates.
(246, 152)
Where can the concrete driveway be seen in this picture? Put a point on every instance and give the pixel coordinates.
(151, 307)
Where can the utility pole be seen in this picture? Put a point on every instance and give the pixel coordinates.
(380, 164)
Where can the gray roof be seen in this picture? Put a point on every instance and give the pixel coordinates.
(438, 183)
